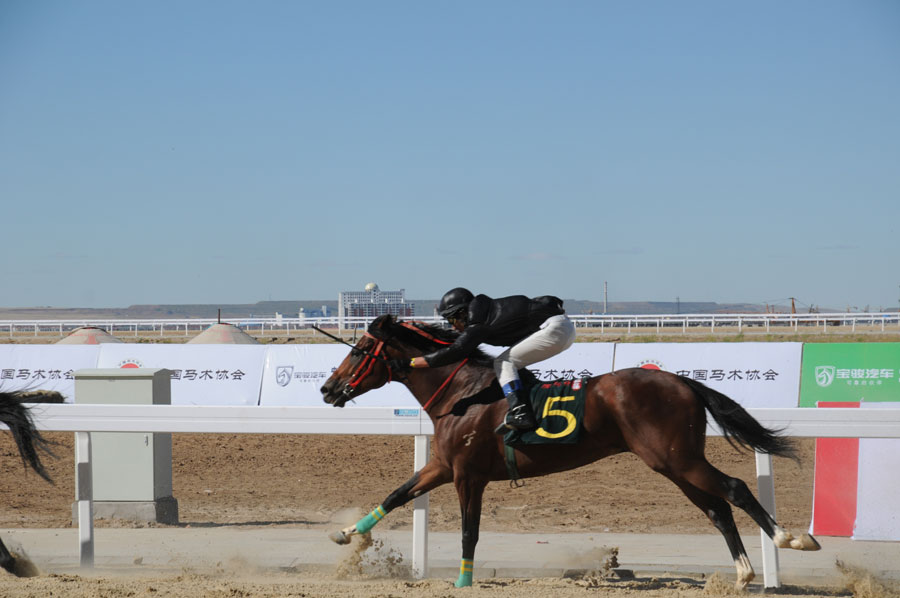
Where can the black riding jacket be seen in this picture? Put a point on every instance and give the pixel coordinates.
(500, 322)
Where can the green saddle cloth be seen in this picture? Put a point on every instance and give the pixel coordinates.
(559, 410)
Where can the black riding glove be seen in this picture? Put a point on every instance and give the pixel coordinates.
(399, 365)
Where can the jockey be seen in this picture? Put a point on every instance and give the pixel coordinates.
(532, 329)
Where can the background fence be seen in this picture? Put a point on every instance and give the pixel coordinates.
(597, 323)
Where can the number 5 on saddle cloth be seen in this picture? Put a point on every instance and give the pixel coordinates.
(559, 410)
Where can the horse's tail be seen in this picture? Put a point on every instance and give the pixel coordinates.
(738, 427)
(28, 440)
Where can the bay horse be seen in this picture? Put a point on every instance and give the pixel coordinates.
(16, 416)
(657, 415)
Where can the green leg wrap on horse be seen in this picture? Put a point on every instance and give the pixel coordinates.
(364, 525)
(465, 574)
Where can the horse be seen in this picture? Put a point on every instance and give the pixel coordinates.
(657, 415)
(16, 416)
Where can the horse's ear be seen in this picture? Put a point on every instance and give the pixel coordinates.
(381, 323)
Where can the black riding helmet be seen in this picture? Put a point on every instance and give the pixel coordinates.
(454, 301)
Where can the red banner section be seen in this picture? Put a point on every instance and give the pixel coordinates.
(834, 498)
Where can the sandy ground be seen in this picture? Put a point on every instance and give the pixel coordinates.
(309, 481)
(286, 585)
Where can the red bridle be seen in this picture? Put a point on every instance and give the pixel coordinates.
(368, 362)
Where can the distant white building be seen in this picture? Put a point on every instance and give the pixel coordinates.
(373, 302)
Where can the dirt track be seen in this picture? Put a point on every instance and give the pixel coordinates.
(286, 585)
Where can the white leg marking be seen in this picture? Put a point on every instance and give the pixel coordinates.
(745, 572)
(785, 539)
(782, 538)
(343, 536)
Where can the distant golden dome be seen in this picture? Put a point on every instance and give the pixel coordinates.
(371, 287)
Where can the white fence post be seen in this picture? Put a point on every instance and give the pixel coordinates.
(84, 493)
(765, 486)
(420, 513)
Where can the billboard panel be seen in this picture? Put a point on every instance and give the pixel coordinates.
(753, 374)
(861, 487)
(201, 374)
(861, 372)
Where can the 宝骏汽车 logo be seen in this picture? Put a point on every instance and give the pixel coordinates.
(283, 374)
(824, 375)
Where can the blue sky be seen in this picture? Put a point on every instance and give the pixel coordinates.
(230, 152)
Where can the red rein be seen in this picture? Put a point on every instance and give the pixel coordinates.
(442, 386)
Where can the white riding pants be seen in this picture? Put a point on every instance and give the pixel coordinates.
(556, 335)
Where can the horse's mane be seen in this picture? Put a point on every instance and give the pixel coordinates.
(444, 337)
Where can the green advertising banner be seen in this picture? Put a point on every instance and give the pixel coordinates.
(868, 372)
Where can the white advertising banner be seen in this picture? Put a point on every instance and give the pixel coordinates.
(201, 374)
(755, 375)
(294, 373)
(878, 485)
(45, 367)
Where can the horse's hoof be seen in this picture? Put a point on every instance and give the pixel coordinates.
(805, 542)
(742, 582)
(339, 537)
(20, 566)
(744, 571)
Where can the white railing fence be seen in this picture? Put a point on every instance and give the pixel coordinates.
(740, 323)
(602, 323)
(84, 419)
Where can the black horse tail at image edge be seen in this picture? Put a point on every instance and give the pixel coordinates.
(738, 427)
(29, 441)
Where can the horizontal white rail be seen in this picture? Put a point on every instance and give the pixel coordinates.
(85, 418)
(223, 419)
(811, 423)
(832, 423)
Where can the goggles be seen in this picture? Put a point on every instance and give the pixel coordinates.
(458, 316)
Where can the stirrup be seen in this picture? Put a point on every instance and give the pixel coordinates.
(519, 412)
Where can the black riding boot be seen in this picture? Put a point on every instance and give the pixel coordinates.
(519, 416)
